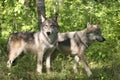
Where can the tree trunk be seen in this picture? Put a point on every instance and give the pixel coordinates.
(41, 11)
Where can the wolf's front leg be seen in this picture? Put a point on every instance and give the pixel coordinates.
(48, 64)
(76, 62)
(48, 60)
(39, 62)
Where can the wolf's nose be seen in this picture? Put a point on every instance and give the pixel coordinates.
(48, 33)
(103, 39)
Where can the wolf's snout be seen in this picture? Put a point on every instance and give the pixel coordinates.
(48, 33)
(103, 39)
(100, 39)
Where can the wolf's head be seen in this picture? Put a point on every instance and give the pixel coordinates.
(50, 25)
(94, 32)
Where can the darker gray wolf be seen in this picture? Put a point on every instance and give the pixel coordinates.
(76, 42)
(42, 43)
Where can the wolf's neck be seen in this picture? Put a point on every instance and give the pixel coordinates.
(84, 37)
(52, 39)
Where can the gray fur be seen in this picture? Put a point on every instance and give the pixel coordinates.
(76, 42)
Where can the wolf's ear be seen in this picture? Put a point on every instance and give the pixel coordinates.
(89, 25)
(43, 18)
(98, 24)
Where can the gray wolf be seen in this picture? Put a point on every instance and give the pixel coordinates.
(76, 42)
(41, 43)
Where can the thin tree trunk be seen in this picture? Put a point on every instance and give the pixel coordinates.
(41, 11)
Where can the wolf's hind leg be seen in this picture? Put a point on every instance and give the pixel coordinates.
(86, 67)
(13, 54)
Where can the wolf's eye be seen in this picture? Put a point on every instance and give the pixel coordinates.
(52, 26)
(97, 33)
(45, 27)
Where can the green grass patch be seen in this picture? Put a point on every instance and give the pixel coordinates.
(62, 69)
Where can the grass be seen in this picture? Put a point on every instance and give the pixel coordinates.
(25, 68)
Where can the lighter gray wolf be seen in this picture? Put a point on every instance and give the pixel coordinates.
(41, 43)
(76, 42)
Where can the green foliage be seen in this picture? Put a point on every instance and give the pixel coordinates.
(18, 16)
(103, 58)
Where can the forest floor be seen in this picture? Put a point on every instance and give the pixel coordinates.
(25, 69)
